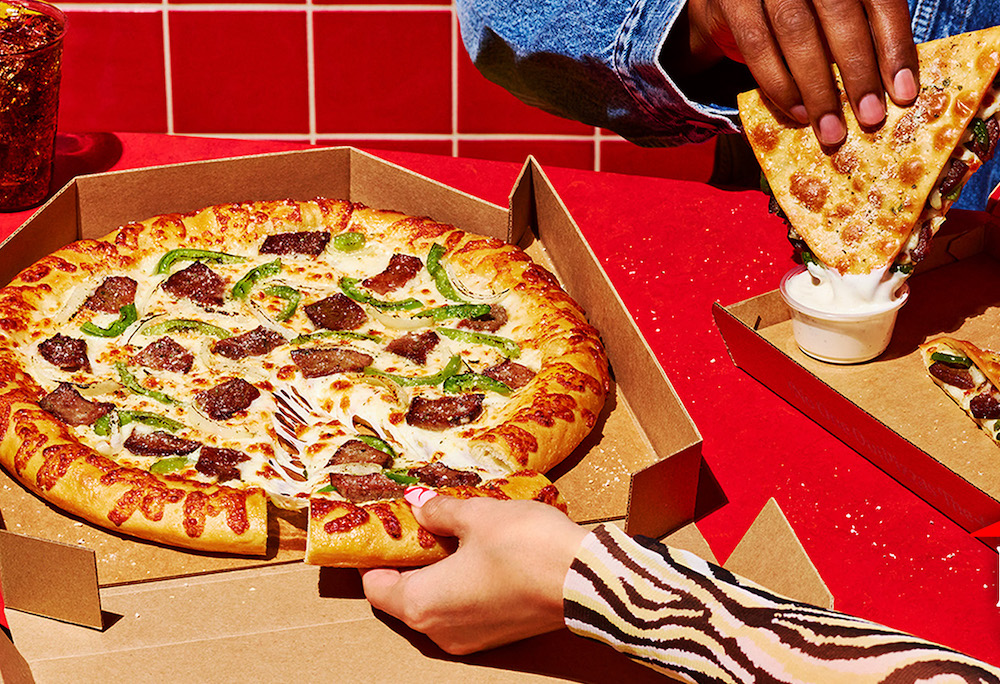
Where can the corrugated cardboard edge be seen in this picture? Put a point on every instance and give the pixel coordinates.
(14, 669)
(660, 498)
(771, 555)
(50, 578)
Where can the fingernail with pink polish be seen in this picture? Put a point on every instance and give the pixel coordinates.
(417, 496)
(905, 85)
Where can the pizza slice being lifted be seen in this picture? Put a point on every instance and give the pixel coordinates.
(970, 376)
(875, 202)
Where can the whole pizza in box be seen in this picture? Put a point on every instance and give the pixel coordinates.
(187, 376)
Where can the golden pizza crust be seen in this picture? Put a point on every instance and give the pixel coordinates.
(380, 533)
(546, 420)
(855, 206)
(43, 455)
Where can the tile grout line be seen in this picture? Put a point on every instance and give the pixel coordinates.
(454, 79)
(167, 68)
(311, 70)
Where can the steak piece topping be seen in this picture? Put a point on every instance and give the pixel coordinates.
(446, 412)
(256, 342)
(512, 374)
(401, 268)
(159, 443)
(220, 462)
(985, 406)
(336, 312)
(198, 283)
(438, 474)
(414, 346)
(227, 399)
(356, 451)
(165, 354)
(65, 352)
(317, 362)
(956, 377)
(309, 242)
(490, 322)
(359, 488)
(111, 295)
(66, 404)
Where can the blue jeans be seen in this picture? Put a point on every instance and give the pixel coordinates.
(596, 61)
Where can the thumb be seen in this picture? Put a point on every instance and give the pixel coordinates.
(439, 514)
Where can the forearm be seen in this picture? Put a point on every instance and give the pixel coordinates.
(676, 613)
(596, 62)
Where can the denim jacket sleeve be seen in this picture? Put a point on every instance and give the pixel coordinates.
(594, 61)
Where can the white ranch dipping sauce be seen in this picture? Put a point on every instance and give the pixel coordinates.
(843, 318)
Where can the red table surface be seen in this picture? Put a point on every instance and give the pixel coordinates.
(672, 248)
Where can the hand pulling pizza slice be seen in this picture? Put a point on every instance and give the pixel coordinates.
(970, 376)
(314, 355)
(875, 202)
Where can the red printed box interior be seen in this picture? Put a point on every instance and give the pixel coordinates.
(889, 409)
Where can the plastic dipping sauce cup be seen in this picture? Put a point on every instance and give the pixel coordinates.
(31, 36)
(839, 337)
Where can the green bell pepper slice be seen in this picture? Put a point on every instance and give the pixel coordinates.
(243, 286)
(174, 324)
(507, 346)
(440, 276)
(468, 382)
(188, 254)
(442, 313)
(349, 286)
(344, 334)
(291, 296)
(168, 465)
(130, 383)
(959, 360)
(349, 242)
(127, 315)
(450, 369)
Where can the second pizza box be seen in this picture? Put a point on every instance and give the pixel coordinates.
(889, 410)
(642, 462)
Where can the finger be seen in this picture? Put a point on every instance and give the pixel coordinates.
(751, 32)
(848, 35)
(797, 31)
(442, 515)
(897, 53)
(382, 588)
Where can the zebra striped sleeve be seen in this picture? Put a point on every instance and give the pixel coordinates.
(697, 622)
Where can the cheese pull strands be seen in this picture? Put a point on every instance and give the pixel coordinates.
(127, 315)
(165, 263)
(243, 286)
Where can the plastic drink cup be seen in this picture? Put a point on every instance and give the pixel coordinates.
(31, 36)
(842, 337)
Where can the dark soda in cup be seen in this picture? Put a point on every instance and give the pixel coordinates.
(31, 36)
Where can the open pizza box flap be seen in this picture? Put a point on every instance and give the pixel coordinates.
(889, 410)
(315, 622)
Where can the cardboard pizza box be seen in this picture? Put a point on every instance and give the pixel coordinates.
(313, 624)
(642, 463)
(889, 410)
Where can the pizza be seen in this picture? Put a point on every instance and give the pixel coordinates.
(187, 378)
(874, 202)
(970, 376)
